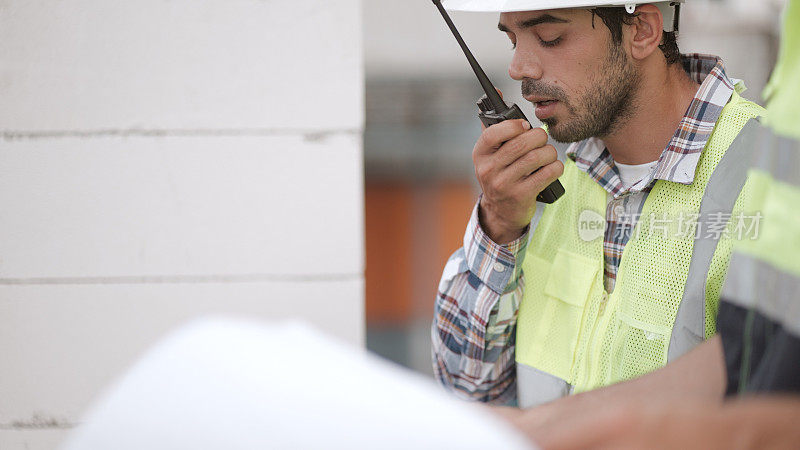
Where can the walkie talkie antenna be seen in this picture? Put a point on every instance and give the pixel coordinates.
(497, 101)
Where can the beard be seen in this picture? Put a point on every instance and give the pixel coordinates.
(604, 106)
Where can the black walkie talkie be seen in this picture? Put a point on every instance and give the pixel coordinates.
(493, 108)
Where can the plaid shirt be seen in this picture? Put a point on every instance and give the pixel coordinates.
(482, 284)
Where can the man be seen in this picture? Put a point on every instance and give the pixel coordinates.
(532, 309)
(759, 321)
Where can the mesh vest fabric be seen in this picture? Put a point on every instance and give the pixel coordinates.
(568, 326)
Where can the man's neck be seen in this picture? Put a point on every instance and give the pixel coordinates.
(663, 98)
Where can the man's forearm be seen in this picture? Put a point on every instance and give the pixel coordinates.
(700, 374)
(749, 424)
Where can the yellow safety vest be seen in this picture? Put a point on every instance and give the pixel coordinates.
(572, 335)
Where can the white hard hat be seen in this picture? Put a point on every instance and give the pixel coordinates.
(666, 7)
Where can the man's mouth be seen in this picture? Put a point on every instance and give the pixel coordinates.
(540, 101)
(545, 107)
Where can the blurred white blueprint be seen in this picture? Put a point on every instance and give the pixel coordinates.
(235, 384)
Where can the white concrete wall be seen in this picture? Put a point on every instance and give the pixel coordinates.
(164, 159)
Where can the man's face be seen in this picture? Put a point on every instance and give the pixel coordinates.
(582, 84)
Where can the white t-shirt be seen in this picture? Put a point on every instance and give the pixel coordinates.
(630, 175)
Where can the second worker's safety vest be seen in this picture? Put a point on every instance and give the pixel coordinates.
(572, 335)
(759, 319)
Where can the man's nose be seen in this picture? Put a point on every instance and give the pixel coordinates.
(524, 64)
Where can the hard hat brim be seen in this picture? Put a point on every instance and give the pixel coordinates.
(534, 5)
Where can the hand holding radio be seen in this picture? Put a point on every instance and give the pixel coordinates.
(514, 165)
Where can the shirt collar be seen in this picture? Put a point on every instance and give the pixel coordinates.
(679, 160)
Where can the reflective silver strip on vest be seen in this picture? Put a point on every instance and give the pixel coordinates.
(721, 193)
(779, 156)
(535, 387)
(755, 284)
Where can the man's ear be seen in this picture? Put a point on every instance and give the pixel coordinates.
(647, 31)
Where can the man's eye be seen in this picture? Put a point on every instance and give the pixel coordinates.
(552, 43)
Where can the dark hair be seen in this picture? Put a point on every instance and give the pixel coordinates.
(615, 17)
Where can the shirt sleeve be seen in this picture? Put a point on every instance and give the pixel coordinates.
(475, 317)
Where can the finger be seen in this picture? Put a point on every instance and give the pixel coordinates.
(544, 177)
(530, 162)
(519, 146)
(522, 168)
(494, 136)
